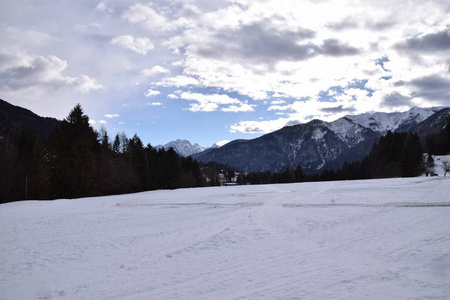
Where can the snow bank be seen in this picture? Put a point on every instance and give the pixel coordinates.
(373, 239)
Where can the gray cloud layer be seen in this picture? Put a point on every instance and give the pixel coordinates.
(433, 42)
(259, 43)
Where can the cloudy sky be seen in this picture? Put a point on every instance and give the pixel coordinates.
(208, 71)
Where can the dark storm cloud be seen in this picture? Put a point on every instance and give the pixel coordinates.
(260, 43)
(292, 123)
(338, 109)
(433, 88)
(432, 82)
(433, 42)
(333, 47)
(395, 99)
(351, 23)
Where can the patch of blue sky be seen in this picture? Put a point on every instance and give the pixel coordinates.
(380, 62)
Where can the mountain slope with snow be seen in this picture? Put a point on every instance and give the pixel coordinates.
(369, 239)
(317, 144)
(397, 121)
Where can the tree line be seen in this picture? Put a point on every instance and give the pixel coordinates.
(77, 161)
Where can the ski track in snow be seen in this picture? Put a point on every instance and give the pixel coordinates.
(374, 239)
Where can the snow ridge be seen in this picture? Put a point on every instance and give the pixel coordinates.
(382, 122)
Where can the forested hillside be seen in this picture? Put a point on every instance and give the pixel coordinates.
(77, 161)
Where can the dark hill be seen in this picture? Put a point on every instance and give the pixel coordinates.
(14, 119)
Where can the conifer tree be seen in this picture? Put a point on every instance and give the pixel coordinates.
(71, 156)
(139, 162)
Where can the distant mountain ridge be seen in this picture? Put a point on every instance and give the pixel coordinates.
(184, 147)
(318, 144)
(14, 119)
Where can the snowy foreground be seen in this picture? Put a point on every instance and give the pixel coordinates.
(377, 239)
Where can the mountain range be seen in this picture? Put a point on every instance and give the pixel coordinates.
(317, 145)
(184, 147)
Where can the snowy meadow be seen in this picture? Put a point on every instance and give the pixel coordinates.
(368, 239)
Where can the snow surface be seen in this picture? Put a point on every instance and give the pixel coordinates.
(368, 239)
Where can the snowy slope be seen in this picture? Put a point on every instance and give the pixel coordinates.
(378, 239)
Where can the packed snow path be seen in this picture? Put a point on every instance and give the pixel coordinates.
(377, 239)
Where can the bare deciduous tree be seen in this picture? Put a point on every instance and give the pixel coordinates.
(446, 166)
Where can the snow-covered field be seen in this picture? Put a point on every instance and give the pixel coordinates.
(369, 239)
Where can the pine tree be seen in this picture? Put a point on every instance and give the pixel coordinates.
(72, 158)
(139, 162)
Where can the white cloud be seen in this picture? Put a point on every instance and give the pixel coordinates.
(110, 116)
(222, 143)
(212, 102)
(238, 108)
(172, 96)
(277, 102)
(147, 17)
(178, 63)
(203, 106)
(104, 8)
(102, 122)
(178, 81)
(259, 126)
(138, 45)
(153, 104)
(20, 71)
(151, 93)
(279, 107)
(155, 71)
(218, 99)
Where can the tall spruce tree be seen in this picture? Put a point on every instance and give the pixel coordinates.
(71, 156)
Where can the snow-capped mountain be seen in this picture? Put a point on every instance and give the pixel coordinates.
(317, 144)
(397, 121)
(183, 147)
